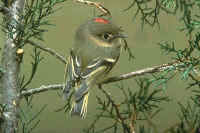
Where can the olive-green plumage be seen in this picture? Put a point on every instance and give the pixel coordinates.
(96, 49)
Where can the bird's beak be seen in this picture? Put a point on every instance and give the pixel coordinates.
(121, 36)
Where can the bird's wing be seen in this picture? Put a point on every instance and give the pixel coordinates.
(94, 70)
(72, 73)
(82, 80)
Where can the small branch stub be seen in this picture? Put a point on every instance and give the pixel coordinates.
(20, 51)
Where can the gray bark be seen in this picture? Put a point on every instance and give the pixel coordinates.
(10, 66)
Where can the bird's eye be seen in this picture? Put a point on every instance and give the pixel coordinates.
(107, 36)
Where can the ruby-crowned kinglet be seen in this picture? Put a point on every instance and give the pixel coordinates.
(96, 50)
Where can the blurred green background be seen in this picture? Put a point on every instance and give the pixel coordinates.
(143, 44)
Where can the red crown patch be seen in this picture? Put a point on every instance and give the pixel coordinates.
(101, 20)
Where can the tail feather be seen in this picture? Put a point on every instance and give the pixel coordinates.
(80, 107)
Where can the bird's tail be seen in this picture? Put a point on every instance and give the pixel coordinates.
(79, 107)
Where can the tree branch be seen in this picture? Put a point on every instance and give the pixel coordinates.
(97, 5)
(153, 69)
(11, 66)
(48, 50)
(42, 88)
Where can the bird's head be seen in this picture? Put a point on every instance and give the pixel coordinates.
(100, 31)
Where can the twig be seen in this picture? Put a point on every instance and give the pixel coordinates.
(119, 117)
(132, 120)
(42, 88)
(49, 50)
(4, 9)
(154, 69)
(97, 5)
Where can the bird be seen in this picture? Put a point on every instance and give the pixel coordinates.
(97, 47)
